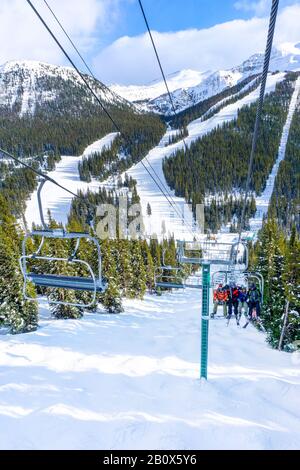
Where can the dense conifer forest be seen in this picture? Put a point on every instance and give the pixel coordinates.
(285, 201)
(217, 163)
(276, 256)
(141, 136)
(229, 95)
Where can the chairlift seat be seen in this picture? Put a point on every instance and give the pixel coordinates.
(67, 282)
(169, 285)
(193, 286)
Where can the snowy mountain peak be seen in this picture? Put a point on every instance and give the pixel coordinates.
(285, 56)
(189, 87)
(177, 80)
(27, 85)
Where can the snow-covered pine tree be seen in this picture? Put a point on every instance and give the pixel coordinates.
(292, 285)
(155, 250)
(125, 268)
(277, 258)
(277, 293)
(149, 265)
(149, 209)
(137, 287)
(111, 299)
(62, 249)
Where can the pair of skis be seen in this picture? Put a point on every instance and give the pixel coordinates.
(258, 321)
(237, 317)
(254, 318)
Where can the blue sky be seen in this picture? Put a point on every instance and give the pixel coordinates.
(190, 34)
(177, 15)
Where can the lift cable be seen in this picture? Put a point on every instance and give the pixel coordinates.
(160, 64)
(59, 22)
(272, 23)
(102, 107)
(38, 173)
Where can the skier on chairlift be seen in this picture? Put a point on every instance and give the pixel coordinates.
(243, 302)
(254, 302)
(254, 299)
(233, 302)
(220, 298)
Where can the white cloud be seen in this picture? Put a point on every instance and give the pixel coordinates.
(259, 7)
(131, 59)
(23, 37)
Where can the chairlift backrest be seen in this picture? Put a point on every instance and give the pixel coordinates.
(94, 283)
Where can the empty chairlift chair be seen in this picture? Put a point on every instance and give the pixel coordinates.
(93, 282)
(168, 277)
(214, 253)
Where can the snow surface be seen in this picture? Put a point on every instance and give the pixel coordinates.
(184, 98)
(131, 381)
(66, 174)
(262, 202)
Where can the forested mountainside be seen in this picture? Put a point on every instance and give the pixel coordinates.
(218, 162)
(141, 136)
(285, 201)
(48, 109)
(46, 112)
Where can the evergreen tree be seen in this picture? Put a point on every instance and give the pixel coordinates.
(111, 299)
(16, 313)
(149, 265)
(137, 287)
(149, 210)
(277, 258)
(62, 249)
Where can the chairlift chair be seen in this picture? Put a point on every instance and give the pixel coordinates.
(194, 281)
(239, 278)
(168, 277)
(94, 283)
(215, 253)
(258, 279)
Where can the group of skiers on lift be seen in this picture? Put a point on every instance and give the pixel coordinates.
(237, 299)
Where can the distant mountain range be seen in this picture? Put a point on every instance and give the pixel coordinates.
(30, 87)
(189, 87)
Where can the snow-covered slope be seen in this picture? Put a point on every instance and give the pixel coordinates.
(66, 173)
(190, 87)
(162, 213)
(24, 85)
(131, 381)
(262, 202)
